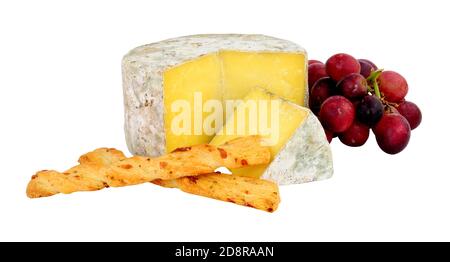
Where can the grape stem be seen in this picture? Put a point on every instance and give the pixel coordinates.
(373, 80)
(377, 90)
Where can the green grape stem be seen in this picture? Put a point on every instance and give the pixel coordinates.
(377, 90)
(373, 80)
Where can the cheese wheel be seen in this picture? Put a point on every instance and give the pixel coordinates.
(162, 79)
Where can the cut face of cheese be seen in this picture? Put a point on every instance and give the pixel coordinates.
(300, 151)
(280, 73)
(181, 83)
(162, 79)
(223, 76)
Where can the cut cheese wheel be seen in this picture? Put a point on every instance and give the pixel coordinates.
(299, 148)
(181, 76)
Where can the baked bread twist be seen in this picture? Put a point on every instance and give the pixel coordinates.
(246, 191)
(98, 170)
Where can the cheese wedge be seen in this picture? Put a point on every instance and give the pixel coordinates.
(196, 70)
(299, 148)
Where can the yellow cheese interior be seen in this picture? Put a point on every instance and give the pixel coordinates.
(181, 82)
(229, 75)
(280, 73)
(290, 118)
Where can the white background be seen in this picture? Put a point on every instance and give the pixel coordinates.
(61, 96)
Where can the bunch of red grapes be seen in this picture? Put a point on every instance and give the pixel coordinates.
(351, 96)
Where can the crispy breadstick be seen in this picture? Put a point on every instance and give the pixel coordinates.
(188, 161)
(83, 177)
(246, 191)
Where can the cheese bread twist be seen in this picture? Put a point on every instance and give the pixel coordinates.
(246, 191)
(98, 170)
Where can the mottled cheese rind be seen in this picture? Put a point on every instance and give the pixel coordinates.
(143, 69)
(306, 157)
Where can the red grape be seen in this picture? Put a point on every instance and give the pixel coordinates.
(411, 112)
(312, 61)
(356, 135)
(393, 86)
(337, 114)
(370, 110)
(392, 133)
(329, 135)
(340, 65)
(321, 90)
(367, 67)
(353, 86)
(315, 72)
